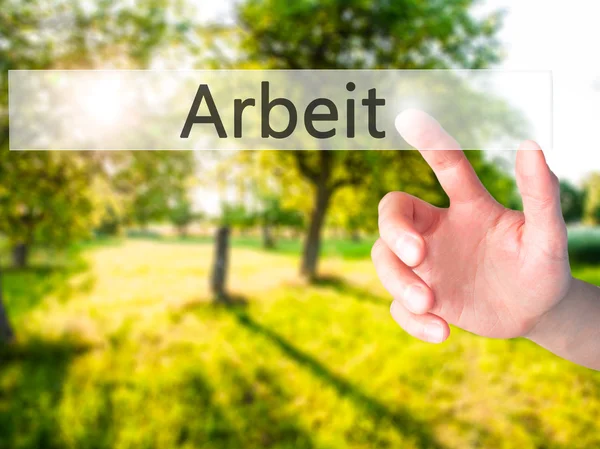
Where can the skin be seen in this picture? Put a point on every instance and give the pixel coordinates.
(477, 265)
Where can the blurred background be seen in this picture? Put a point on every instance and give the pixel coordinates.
(227, 299)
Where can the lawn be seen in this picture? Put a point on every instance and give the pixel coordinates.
(120, 347)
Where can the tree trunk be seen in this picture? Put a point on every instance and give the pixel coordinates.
(268, 240)
(182, 231)
(221, 260)
(6, 332)
(312, 244)
(355, 236)
(20, 253)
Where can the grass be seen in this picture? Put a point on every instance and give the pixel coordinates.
(332, 247)
(120, 347)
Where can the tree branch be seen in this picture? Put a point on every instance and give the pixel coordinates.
(305, 169)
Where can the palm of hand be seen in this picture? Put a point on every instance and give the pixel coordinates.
(487, 278)
(487, 269)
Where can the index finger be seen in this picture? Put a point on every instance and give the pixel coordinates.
(443, 154)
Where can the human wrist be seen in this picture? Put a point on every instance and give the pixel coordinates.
(570, 328)
(545, 326)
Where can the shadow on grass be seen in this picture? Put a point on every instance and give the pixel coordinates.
(346, 288)
(401, 419)
(25, 288)
(215, 427)
(31, 383)
(230, 299)
(263, 400)
(253, 418)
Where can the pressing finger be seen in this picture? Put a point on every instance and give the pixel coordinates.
(443, 154)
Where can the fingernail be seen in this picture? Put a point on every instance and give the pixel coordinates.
(434, 333)
(415, 296)
(409, 249)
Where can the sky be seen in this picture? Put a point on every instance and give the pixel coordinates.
(562, 37)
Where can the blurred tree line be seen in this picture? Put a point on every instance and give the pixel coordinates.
(54, 198)
(358, 34)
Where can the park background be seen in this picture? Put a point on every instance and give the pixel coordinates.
(115, 332)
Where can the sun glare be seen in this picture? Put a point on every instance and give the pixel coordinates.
(103, 106)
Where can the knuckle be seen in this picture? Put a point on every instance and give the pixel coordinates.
(377, 249)
(407, 323)
(448, 160)
(386, 224)
(388, 199)
(386, 271)
(540, 201)
(397, 314)
(389, 279)
(557, 247)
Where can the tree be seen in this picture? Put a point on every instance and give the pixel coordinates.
(181, 213)
(46, 197)
(274, 215)
(572, 202)
(265, 187)
(592, 199)
(218, 279)
(357, 34)
(71, 34)
(237, 215)
(152, 183)
(52, 201)
(293, 220)
(6, 332)
(109, 223)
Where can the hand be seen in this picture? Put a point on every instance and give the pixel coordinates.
(477, 265)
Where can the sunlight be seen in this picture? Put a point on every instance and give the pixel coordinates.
(103, 106)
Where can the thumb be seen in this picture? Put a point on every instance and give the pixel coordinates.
(539, 187)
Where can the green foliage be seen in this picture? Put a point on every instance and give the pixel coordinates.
(360, 34)
(572, 202)
(110, 222)
(272, 213)
(237, 215)
(592, 199)
(45, 197)
(142, 359)
(181, 213)
(290, 218)
(48, 197)
(152, 182)
(494, 175)
(584, 245)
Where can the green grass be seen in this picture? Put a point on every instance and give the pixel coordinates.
(120, 347)
(330, 247)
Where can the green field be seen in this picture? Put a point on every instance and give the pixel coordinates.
(120, 347)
